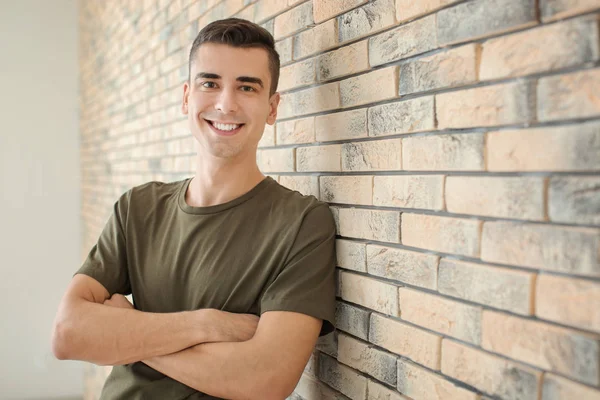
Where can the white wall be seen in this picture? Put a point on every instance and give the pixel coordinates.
(39, 207)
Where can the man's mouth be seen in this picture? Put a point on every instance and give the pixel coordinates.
(224, 126)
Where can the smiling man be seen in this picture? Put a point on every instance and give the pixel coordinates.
(232, 274)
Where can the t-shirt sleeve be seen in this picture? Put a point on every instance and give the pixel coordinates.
(306, 283)
(107, 260)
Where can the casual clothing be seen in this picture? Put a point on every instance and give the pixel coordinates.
(272, 249)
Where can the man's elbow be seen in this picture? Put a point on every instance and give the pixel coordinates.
(60, 341)
(276, 387)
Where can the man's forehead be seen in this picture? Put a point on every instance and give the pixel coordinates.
(228, 60)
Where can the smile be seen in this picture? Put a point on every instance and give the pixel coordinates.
(223, 128)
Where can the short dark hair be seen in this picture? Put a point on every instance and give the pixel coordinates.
(238, 32)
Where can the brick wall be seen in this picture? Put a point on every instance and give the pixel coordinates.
(458, 143)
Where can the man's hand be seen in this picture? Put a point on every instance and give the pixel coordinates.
(119, 301)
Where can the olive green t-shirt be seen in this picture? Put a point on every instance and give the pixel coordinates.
(271, 249)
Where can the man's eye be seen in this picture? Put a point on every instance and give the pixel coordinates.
(247, 89)
(209, 85)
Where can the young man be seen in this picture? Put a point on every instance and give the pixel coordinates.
(205, 257)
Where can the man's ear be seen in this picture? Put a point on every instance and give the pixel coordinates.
(186, 96)
(273, 104)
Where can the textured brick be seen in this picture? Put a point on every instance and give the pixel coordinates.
(342, 125)
(328, 344)
(367, 359)
(445, 316)
(370, 293)
(380, 392)
(296, 131)
(507, 197)
(565, 44)
(370, 87)
(555, 9)
(406, 116)
(460, 152)
(268, 137)
(365, 20)
(573, 302)
(307, 185)
(489, 373)
(409, 9)
(325, 9)
(409, 267)
(319, 158)
(347, 189)
(351, 255)
(310, 388)
(311, 100)
(342, 378)
(370, 224)
(276, 160)
(493, 286)
(549, 347)
(298, 74)
(293, 20)
(574, 199)
(403, 42)
(409, 191)
(421, 384)
(564, 148)
(378, 155)
(575, 95)
(265, 9)
(454, 67)
(335, 212)
(558, 388)
(284, 48)
(505, 104)
(344, 61)
(416, 344)
(475, 19)
(552, 248)
(314, 40)
(444, 234)
(352, 320)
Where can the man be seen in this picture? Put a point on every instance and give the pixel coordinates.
(205, 257)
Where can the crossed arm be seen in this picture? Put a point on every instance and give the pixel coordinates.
(235, 356)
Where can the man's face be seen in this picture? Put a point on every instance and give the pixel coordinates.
(227, 100)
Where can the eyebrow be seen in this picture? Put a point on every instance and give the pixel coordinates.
(248, 79)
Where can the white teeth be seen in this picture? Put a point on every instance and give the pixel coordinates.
(225, 127)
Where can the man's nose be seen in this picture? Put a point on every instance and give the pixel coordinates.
(226, 102)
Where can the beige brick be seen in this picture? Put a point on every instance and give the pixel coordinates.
(552, 248)
(370, 293)
(268, 137)
(367, 359)
(341, 125)
(413, 343)
(353, 320)
(284, 48)
(347, 189)
(403, 42)
(409, 191)
(475, 19)
(409, 9)
(564, 148)
(559, 388)
(575, 95)
(276, 160)
(319, 158)
(543, 345)
(293, 20)
(573, 302)
(555, 9)
(489, 373)
(454, 67)
(315, 40)
(574, 199)
(444, 234)
(497, 287)
(380, 392)
(344, 61)
(504, 104)
(507, 197)
(298, 74)
(351, 255)
(458, 152)
(342, 378)
(265, 9)
(311, 388)
(377, 155)
(374, 86)
(325, 9)
(296, 131)
(366, 20)
(406, 116)
(328, 344)
(565, 44)
(307, 185)
(311, 100)
(335, 211)
(421, 384)
(370, 224)
(448, 317)
(411, 267)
